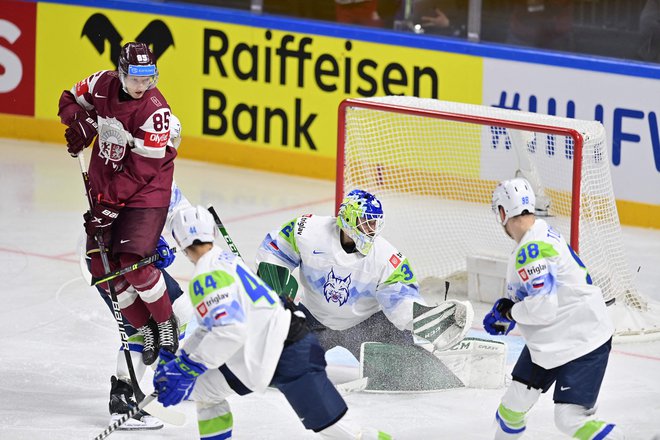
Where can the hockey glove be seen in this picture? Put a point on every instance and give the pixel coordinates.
(499, 321)
(81, 132)
(166, 254)
(174, 380)
(101, 216)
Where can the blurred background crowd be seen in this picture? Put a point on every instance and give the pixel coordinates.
(626, 29)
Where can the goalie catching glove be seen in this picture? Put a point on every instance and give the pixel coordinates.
(443, 325)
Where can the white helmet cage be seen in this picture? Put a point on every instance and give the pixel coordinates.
(191, 224)
(515, 196)
(175, 131)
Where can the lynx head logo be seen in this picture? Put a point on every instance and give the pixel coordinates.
(336, 289)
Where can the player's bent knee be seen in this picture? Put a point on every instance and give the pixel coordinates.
(519, 397)
(211, 389)
(578, 422)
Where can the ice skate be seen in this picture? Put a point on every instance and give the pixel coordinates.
(150, 333)
(122, 401)
(168, 335)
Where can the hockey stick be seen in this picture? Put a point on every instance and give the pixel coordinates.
(224, 232)
(119, 272)
(116, 424)
(155, 409)
(139, 395)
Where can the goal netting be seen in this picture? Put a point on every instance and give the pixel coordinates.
(434, 165)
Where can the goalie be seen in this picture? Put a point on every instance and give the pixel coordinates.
(357, 286)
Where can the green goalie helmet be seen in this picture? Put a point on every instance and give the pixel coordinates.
(360, 216)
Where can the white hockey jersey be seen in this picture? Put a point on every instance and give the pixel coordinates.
(242, 322)
(343, 289)
(559, 312)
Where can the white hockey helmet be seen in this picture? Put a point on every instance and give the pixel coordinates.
(515, 196)
(175, 131)
(193, 224)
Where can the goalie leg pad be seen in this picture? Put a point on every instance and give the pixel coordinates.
(403, 368)
(479, 363)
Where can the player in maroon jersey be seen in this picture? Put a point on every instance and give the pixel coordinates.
(130, 176)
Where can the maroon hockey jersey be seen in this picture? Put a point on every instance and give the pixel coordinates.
(132, 161)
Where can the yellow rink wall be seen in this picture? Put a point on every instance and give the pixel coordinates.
(253, 91)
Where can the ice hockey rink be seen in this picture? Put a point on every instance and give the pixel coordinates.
(60, 341)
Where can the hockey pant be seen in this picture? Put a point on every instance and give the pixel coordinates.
(573, 420)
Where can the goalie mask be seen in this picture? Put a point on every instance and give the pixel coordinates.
(515, 196)
(193, 225)
(360, 216)
(137, 62)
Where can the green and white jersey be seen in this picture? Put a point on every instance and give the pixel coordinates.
(559, 312)
(242, 322)
(343, 289)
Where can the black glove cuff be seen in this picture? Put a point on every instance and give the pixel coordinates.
(504, 306)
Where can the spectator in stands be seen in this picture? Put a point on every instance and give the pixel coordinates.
(649, 27)
(442, 17)
(542, 23)
(389, 11)
(360, 12)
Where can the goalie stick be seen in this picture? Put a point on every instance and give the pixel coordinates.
(159, 411)
(119, 272)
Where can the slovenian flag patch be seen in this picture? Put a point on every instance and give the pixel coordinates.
(537, 284)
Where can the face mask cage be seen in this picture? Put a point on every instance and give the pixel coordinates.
(361, 226)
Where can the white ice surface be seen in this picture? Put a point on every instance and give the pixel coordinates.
(58, 347)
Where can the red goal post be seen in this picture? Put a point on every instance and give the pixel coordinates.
(434, 165)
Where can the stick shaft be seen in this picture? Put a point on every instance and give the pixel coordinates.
(119, 272)
(139, 395)
(114, 426)
(224, 232)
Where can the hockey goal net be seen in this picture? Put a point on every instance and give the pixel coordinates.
(434, 166)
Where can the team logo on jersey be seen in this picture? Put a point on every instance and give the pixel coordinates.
(336, 289)
(523, 274)
(112, 140)
(202, 310)
(395, 260)
(98, 29)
